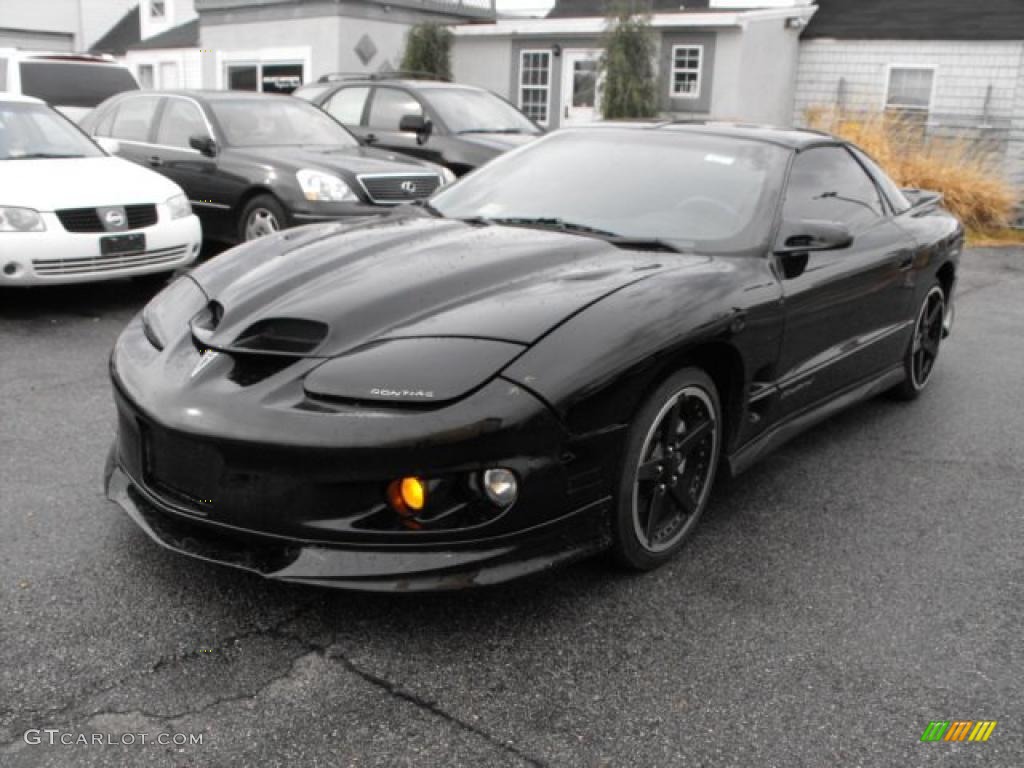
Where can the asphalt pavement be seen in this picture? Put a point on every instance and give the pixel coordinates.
(862, 581)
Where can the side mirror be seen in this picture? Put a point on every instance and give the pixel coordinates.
(418, 124)
(803, 237)
(108, 145)
(205, 144)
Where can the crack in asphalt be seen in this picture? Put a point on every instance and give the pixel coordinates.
(393, 690)
(329, 651)
(70, 710)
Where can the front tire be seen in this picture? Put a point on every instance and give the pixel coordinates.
(923, 350)
(263, 215)
(672, 451)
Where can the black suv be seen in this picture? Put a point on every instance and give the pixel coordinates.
(458, 126)
(253, 163)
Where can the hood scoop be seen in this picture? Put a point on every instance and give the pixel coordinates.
(282, 336)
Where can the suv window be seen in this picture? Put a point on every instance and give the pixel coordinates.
(134, 117)
(181, 120)
(389, 106)
(346, 106)
(829, 184)
(74, 84)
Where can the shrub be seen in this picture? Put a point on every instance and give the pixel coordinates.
(973, 187)
(627, 65)
(428, 49)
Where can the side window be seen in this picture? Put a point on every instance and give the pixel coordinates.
(134, 117)
(180, 121)
(3, 74)
(389, 106)
(829, 184)
(346, 106)
(895, 196)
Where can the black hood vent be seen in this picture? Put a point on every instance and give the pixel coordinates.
(282, 335)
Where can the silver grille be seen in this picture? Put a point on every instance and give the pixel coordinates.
(81, 266)
(397, 188)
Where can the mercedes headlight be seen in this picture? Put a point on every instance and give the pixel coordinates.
(20, 220)
(179, 207)
(325, 187)
(167, 316)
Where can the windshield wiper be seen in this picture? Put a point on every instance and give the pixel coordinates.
(561, 225)
(551, 222)
(42, 156)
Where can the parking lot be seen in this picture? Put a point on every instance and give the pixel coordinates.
(857, 584)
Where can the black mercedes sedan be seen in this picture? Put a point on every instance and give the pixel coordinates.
(457, 126)
(253, 163)
(551, 358)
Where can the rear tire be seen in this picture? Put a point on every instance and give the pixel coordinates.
(263, 215)
(923, 349)
(672, 451)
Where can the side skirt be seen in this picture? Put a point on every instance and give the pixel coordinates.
(781, 433)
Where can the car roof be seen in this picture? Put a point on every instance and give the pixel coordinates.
(790, 138)
(209, 95)
(20, 99)
(402, 81)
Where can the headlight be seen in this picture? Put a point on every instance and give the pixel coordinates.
(447, 177)
(20, 220)
(179, 207)
(170, 311)
(317, 185)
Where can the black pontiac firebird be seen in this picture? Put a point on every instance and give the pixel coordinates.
(550, 358)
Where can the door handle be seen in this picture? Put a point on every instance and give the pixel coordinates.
(155, 161)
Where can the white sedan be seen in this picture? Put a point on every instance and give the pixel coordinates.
(69, 212)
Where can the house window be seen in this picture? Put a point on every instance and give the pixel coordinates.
(269, 78)
(146, 76)
(910, 89)
(687, 61)
(157, 9)
(535, 84)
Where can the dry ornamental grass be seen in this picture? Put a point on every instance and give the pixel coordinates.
(974, 189)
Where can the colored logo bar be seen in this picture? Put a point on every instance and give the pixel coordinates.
(959, 730)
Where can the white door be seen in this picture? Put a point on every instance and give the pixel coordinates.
(169, 75)
(581, 87)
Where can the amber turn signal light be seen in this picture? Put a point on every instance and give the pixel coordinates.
(407, 496)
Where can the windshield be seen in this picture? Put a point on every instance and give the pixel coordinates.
(74, 84)
(29, 131)
(696, 191)
(465, 110)
(249, 122)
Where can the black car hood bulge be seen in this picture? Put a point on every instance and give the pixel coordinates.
(413, 276)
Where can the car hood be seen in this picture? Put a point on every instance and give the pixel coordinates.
(82, 182)
(355, 160)
(411, 275)
(499, 142)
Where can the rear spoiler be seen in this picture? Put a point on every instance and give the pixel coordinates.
(922, 199)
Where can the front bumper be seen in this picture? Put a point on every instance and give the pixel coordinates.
(382, 568)
(57, 256)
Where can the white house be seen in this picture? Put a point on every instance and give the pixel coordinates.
(732, 59)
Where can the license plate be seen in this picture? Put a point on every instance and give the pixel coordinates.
(112, 244)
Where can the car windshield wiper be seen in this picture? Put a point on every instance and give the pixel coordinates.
(42, 156)
(551, 222)
(648, 244)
